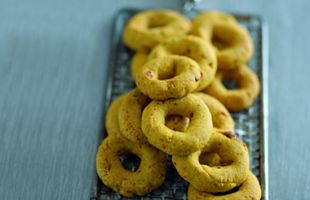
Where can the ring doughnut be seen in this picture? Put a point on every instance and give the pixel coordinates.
(248, 190)
(129, 116)
(221, 118)
(175, 142)
(235, 99)
(149, 175)
(111, 122)
(138, 60)
(146, 29)
(194, 48)
(231, 173)
(168, 77)
(232, 42)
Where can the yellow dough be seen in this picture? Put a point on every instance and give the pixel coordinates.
(232, 171)
(221, 118)
(173, 142)
(168, 77)
(232, 42)
(248, 190)
(149, 175)
(235, 99)
(194, 48)
(111, 123)
(138, 60)
(148, 28)
(129, 116)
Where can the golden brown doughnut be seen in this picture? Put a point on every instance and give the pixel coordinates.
(235, 99)
(168, 77)
(232, 42)
(146, 29)
(221, 118)
(129, 116)
(149, 175)
(175, 142)
(194, 48)
(231, 173)
(248, 190)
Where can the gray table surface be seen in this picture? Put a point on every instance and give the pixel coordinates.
(53, 58)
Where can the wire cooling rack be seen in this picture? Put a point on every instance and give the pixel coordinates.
(251, 124)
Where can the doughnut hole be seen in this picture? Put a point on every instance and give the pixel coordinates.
(165, 73)
(213, 159)
(231, 84)
(223, 36)
(220, 42)
(167, 77)
(177, 122)
(163, 77)
(156, 23)
(210, 159)
(130, 161)
(194, 48)
(235, 189)
(169, 72)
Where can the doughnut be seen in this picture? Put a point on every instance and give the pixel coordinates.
(146, 29)
(149, 175)
(111, 122)
(232, 42)
(248, 190)
(173, 142)
(129, 116)
(221, 118)
(138, 60)
(168, 77)
(194, 48)
(231, 172)
(235, 99)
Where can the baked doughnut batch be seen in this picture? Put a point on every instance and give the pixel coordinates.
(180, 107)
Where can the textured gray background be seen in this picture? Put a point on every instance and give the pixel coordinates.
(53, 57)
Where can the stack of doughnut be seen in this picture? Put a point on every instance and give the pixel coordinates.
(181, 106)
